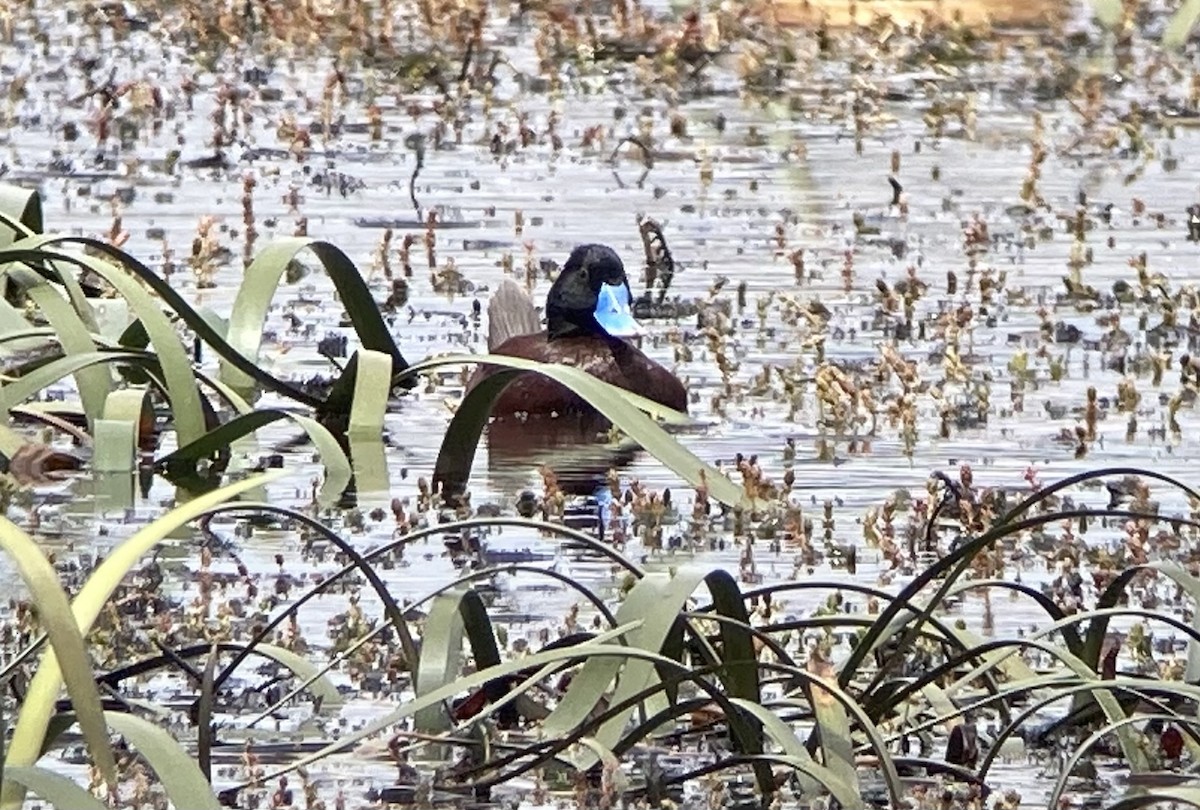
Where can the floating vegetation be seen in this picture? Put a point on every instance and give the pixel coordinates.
(917, 277)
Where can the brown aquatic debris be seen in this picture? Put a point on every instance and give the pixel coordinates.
(972, 13)
(33, 464)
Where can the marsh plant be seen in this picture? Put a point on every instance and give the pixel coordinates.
(681, 661)
(786, 676)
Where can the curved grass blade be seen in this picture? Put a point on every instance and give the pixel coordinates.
(181, 777)
(647, 601)
(94, 382)
(116, 447)
(1190, 724)
(372, 389)
(739, 660)
(1172, 796)
(462, 436)
(20, 213)
(844, 790)
(204, 714)
(127, 418)
(451, 615)
(535, 756)
(187, 412)
(1103, 691)
(28, 251)
(595, 648)
(657, 602)
(338, 471)
(66, 646)
(54, 788)
(1108, 704)
(261, 281)
(1181, 25)
(1099, 614)
(212, 336)
(38, 707)
(833, 731)
(368, 460)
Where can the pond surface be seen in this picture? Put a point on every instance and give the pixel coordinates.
(747, 186)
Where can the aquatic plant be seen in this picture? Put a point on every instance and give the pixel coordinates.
(1113, 14)
(804, 702)
(127, 384)
(805, 705)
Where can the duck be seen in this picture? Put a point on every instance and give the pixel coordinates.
(589, 324)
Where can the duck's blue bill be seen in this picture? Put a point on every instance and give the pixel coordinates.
(614, 312)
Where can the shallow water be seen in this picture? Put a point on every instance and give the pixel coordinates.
(723, 229)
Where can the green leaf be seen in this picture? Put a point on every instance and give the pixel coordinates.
(321, 688)
(462, 436)
(25, 746)
(116, 446)
(126, 411)
(1181, 25)
(337, 466)
(20, 213)
(260, 282)
(368, 459)
(54, 788)
(441, 649)
(1109, 13)
(94, 382)
(372, 390)
(66, 646)
(181, 777)
(182, 392)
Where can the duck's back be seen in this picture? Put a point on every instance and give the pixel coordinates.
(614, 361)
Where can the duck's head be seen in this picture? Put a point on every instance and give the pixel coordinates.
(591, 296)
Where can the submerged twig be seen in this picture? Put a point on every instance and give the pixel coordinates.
(417, 143)
(647, 158)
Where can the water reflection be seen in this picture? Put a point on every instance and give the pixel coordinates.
(576, 448)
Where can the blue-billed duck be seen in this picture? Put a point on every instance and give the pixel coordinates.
(589, 315)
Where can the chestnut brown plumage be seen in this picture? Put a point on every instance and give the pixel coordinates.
(573, 337)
